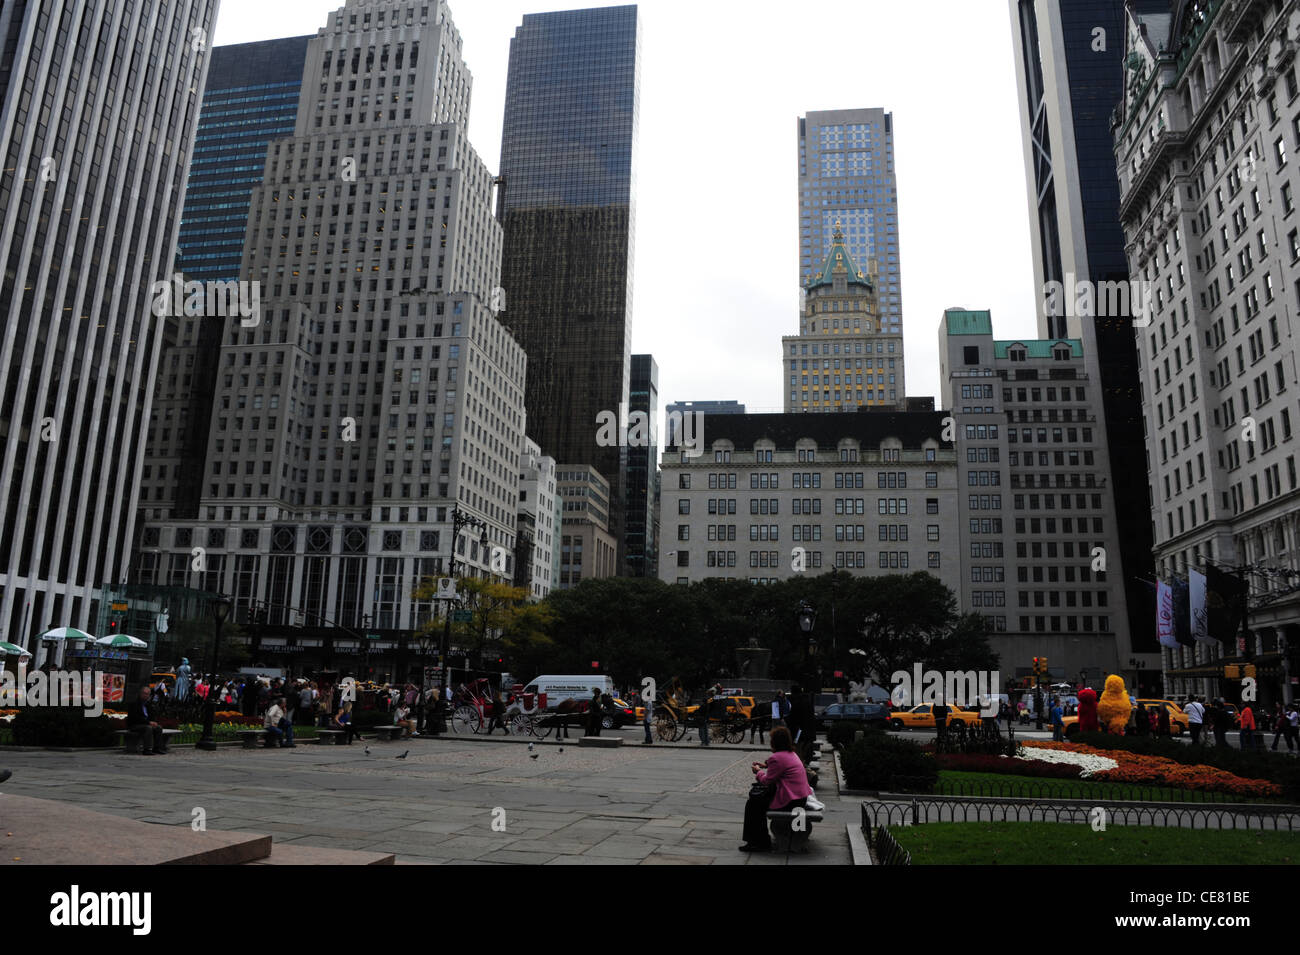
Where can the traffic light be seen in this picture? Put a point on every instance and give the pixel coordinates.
(1037, 668)
(1042, 661)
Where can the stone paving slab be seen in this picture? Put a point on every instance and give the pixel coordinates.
(634, 804)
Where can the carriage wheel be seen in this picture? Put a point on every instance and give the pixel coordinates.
(540, 727)
(666, 728)
(736, 731)
(520, 725)
(465, 719)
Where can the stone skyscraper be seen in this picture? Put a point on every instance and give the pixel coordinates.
(568, 162)
(98, 105)
(376, 390)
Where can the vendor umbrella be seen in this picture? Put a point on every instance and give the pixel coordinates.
(12, 648)
(66, 633)
(122, 640)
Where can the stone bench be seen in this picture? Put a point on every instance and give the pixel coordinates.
(386, 734)
(785, 836)
(330, 736)
(133, 739)
(250, 737)
(605, 741)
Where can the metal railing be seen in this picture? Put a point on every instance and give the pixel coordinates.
(903, 809)
(1029, 788)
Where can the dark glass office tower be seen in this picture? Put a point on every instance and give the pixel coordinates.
(642, 464)
(98, 106)
(251, 99)
(568, 165)
(1070, 74)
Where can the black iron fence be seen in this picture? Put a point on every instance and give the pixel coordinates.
(885, 848)
(1028, 788)
(905, 809)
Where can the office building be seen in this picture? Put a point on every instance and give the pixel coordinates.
(537, 536)
(567, 204)
(676, 414)
(250, 99)
(642, 466)
(1070, 77)
(98, 107)
(587, 549)
(377, 390)
(846, 180)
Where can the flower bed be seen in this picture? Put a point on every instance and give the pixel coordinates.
(1156, 770)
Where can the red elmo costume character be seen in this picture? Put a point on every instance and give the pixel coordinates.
(1088, 711)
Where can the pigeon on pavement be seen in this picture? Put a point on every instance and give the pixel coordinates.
(403, 756)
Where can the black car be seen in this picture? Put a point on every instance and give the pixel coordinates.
(869, 714)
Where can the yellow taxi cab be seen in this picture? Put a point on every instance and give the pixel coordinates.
(1178, 720)
(922, 717)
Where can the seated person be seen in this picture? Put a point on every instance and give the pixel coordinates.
(787, 787)
(139, 720)
(402, 718)
(279, 727)
(343, 721)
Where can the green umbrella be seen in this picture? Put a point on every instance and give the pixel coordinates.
(122, 640)
(66, 633)
(8, 648)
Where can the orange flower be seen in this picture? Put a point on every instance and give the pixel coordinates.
(1159, 771)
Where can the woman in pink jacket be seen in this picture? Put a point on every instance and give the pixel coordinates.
(786, 784)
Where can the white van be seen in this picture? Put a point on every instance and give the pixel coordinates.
(570, 687)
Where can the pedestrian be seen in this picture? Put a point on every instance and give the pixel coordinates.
(1280, 726)
(780, 710)
(183, 680)
(1219, 720)
(402, 718)
(940, 711)
(1162, 722)
(1195, 718)
(593, 713)
(306, 705)
(760, 723)
(1141, 722)
(1058, 721)
(647, 716)
(703, 714)
(499, 705)
(1247, 723)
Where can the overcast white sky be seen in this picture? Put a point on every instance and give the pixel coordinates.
(722, 84)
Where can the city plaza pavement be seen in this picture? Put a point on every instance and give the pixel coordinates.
(651, 805)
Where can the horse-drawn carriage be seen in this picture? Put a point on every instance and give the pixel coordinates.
(674, 715)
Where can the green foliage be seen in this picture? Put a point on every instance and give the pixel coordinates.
(62, 726)
(644, 627)
(841, 732)
(888, 764)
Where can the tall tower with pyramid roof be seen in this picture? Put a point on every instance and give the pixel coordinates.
(841, 360)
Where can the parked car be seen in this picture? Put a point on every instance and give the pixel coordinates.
(624, 713)
(822, 700)
(922, 717)
(870, 714)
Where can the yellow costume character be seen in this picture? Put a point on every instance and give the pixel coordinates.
(1114, 707)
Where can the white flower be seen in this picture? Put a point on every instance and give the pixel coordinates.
(1088, 763)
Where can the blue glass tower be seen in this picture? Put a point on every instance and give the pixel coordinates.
(568, 165)
(251, 98)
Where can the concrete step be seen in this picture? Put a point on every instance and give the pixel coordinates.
(605, 741)
(287, 853)
(46, 832)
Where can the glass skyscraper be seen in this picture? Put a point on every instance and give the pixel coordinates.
(568, 170)
(846, 176)
(642, 464)
(251, 99)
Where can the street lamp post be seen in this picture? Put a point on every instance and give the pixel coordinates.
(459, 519)
(220, 611)
(807, 617)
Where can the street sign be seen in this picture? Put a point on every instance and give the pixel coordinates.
(116, 607)
(372, 636)
(462, 616)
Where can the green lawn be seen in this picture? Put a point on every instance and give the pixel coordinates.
(1060, 843)
(953, 783)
